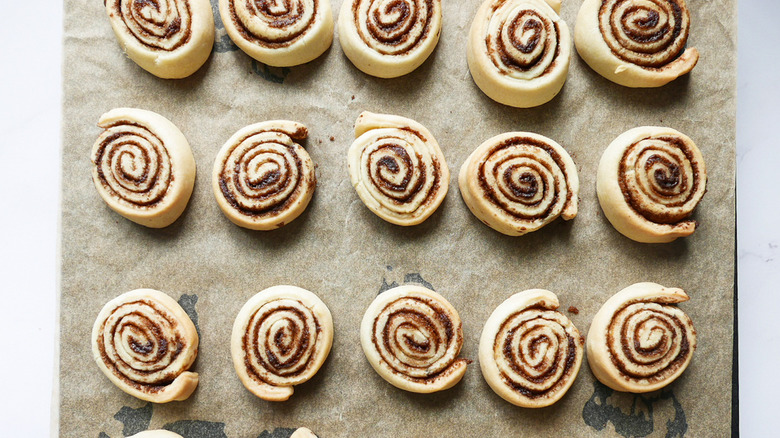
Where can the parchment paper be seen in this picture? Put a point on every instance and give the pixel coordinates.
(345, 254)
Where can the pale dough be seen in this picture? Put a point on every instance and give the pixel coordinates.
(281, 34)
(281, 337)
(262, 178)
(518, 51)
(650, 180)
(383, 42)
(142, 166)
(529, 352)
(635, 43)
(518, 182)
(143, 338)
(640, 341)
(412, 337)
(170, 39)
(397, 168)
(303, 432)
(159, 433)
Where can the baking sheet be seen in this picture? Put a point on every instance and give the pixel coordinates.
(341, 251)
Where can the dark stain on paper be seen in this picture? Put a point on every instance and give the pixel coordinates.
(134, 420)
(276, 75)
(278, 432)
(187, 302)
(635, 415)
(222, 41)
(413, 278)
(197, 429)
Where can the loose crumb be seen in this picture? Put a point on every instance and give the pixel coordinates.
(353, 97)
(332, 138)
(574, 310)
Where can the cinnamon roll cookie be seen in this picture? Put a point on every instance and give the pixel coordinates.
(145, 343)
(279, 33)
(281, 337)
(519, 51)
(143, 166)
(640, 341)
(650, 180)
(397, 168)
(529, 352)
(158, 433)
(635, 43)
(389, 38)
(170, 39)
(262, 178)
(518, 182)
(303, 432)
(412, 337)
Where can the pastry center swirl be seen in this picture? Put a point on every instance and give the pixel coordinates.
(280, 342)
(274, 23)
(133, 164)
(416, 337)
(524, 178)
(142, 345)
(394, 27)
(661, 179)
(158, 24)
(522, 40)
(535, 351)
(262, 174)
(648, 33)
(649, 340)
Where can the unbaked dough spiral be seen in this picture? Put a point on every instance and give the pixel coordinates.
(412, 337)
(518, 182)
(158, 433)
(281, 337)
(519, 51)
(144, 342)
(397, 168)
(636, 43)
(303, 432)
(389, 38)
(639, 341)
(168, 38)
(143, 166)
(529, 352)
(262, 178)
(650, 180)
(280, 33)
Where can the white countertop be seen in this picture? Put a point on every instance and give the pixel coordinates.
(31, 97)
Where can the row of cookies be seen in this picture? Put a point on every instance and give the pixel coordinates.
(650, 179)
(518, 50)
(529, 352)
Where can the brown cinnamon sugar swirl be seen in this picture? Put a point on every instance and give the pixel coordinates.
(143, 166)
(636, 43)
(518, 182)
(145, 343)
(650, 180)
(412, 337)
(397, 168)
(640, 341)
(389, 38)
(281, 337)
(279, 33)
(529, 352)
(262, 178)
(519, 51)
(169, 38)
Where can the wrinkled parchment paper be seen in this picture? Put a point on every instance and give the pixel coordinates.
(345, 254)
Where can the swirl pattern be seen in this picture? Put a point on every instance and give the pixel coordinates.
(281, 337)
(639, 341)
(168, 38)
(144, 342)
(143, 166)
(518, 51)
(262, 178)
(518, 182)
(397, 168)
(637, 43)
(412, 337)
(530, 353)
(389, 38)
(650, 181)
(279, 33)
